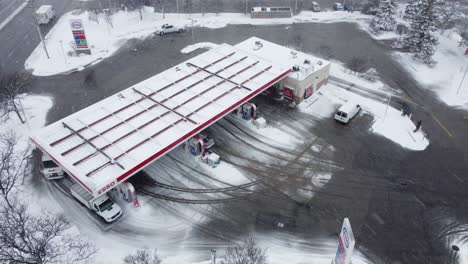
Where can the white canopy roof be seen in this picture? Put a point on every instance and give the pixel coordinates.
(109, 141)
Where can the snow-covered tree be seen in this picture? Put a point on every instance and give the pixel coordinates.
(385, 17)
(464, 39)
(370, 7)
(420, 38)
(411, 9)
(218, 6)
(447, 12)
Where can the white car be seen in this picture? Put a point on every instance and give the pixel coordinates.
(45, 14)
(51, 170)
(166, 28)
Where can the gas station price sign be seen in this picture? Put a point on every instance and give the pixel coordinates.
(79, 36)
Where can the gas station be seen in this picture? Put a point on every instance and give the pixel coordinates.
(103, 145)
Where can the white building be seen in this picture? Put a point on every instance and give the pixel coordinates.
(308, 73)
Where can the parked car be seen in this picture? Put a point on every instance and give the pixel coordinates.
(166, 28)
(315, 7)
(347, 111)
(51, 170)
(44, 14)
(338, 7)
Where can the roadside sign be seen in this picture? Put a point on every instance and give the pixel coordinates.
(346, 244)
(79, 37)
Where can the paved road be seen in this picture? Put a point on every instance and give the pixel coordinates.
(396, 198)
(20, 37)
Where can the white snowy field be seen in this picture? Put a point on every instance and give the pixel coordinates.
(105, 40)
(445, 78)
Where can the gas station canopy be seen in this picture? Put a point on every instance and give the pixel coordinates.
(109, 141)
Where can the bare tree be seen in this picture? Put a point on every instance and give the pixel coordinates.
(13, 164)
(325, 52)
(202, 3)
(161, 6)
(137, 4)
(218, 5)
(188, 6)
(143, 256)
(297, 42)
(357, 64)
(246, 252)
(26, 238)
(11, 86)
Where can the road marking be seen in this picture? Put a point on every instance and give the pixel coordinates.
(12, 15)
(419, 201)
(442, 126)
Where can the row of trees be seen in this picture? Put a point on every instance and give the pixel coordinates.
(245, 252)
(27, 237)
(424, 16)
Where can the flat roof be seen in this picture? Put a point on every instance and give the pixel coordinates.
(283, 56)
(109, 141)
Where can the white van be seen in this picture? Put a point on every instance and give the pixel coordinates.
(51, 170)
(347, 111)
(45, 14)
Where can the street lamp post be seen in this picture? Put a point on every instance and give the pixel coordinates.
(63, 52)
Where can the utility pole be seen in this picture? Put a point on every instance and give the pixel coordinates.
(464, 75)
(246, 6)
(213, 256)
(193, 36)
(203, 7)
(295, 9)
(386, 108)
(63, 52)
(42, 40)
(177, 5)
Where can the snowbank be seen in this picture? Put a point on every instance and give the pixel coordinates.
(201, 45)
(104, 39)
(445, 78)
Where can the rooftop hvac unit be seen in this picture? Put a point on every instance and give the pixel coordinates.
(319, 62)
(307, 62)
(294, 54)
(258, 45)
(295, 68)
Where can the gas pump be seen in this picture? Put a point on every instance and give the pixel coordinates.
(249, 111)
(196, 146)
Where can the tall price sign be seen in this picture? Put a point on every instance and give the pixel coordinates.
(79, 37)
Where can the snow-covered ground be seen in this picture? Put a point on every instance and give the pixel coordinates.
(388, 122)
(105, 40)
(444, 78)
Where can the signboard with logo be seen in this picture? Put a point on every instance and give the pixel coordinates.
(79, 37)
(346, 244)
(308, 92)
(288, 93)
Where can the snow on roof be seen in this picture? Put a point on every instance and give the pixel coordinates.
(109, 141)
(43, 9)
(283, 56)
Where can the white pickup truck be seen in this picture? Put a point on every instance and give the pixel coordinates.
(45, 14)
(51, 170)
(103, 206)
(166, 28)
